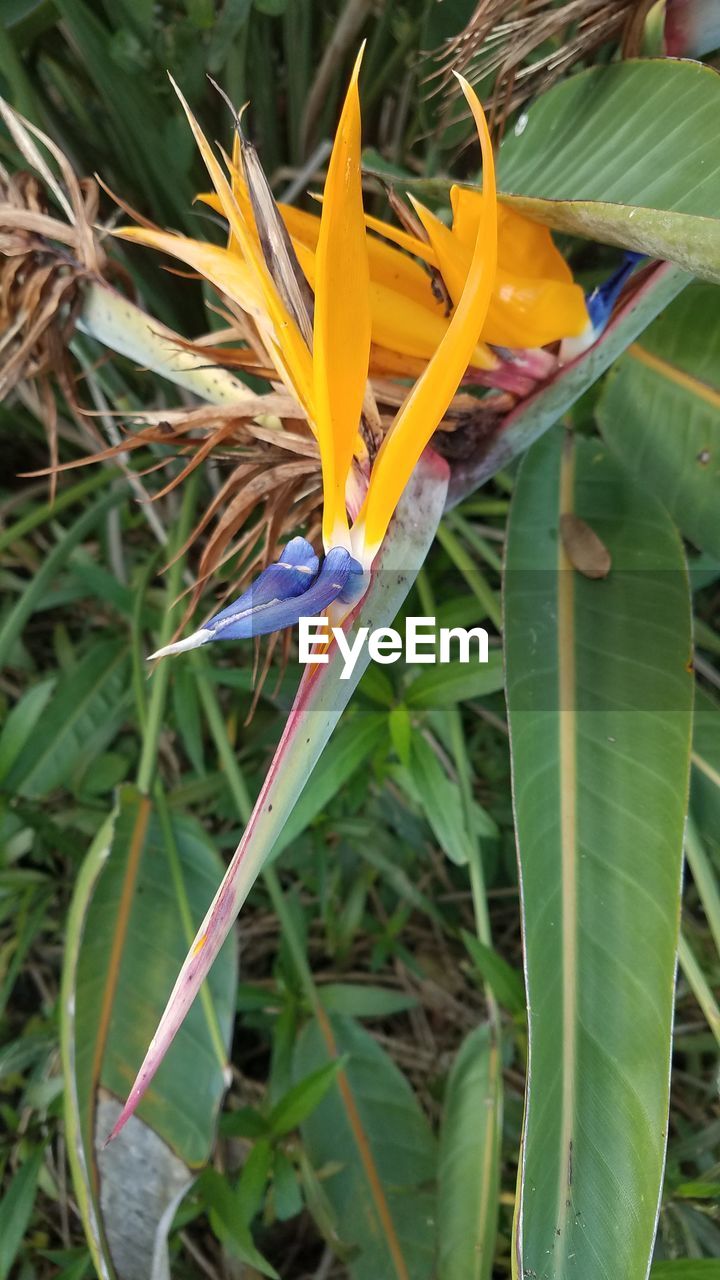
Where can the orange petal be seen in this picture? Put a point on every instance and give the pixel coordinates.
(429, 399)
(524, 247)
(411, 244)
(296, 358)
(228, 272)
(341, 333)
(524, 311)
(401, 324)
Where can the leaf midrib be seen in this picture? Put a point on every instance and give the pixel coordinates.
(567, 730)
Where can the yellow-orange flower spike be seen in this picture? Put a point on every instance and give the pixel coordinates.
(295, 356)
(341, 332)
(429, 399)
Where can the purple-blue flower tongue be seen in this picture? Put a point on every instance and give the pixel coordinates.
(600, 303)
(274, 612)
(284, 592)
(602, 299)
(292, 574)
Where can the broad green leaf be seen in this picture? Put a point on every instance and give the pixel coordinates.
(287, 1199)
(21, 722)
(533, 416)
(660, 413)
(356, 1001)
(440, 800)
(469, 1160)
(455, 682)
(84, 714)
(143, 886)
(302, 1099)
(637, 133)
(321, 698)
(388, 1117)
(506, 983)
(229, 1223)
(600, 695)
(15, 1209)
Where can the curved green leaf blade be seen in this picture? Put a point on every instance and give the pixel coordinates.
(145, 881)
(691, 242)
(660, 413)
(600, 696)
(469, 1160)
(402, 1147)
(85, 712)
(439, 686)
(16, 1208)
(634, 133)
(627, 155)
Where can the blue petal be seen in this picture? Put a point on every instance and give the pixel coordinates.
(280, 611)
(292, 574)
(602, 299)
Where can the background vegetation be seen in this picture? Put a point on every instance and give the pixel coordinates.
(399, 865)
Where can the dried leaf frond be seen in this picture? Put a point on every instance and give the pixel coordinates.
(45, 255)
(526, 45)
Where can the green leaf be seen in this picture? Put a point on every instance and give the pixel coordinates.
(287, 1196)
(705, 792)
(506, 983)
(250, 1190)
(85, 713)
(300, 1101)
(686, 1269)
(455, 682)
(134, 121)
(402, 1146)
(400, 728)
(38, 587)
(660, 413)
(21, 722)
(469, 1160)
(600, 698)
(143, 886)
(440, 800)
(357, 1001)
(230, 1226)
(15, 1210)
(620, 136)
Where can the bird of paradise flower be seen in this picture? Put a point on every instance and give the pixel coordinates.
(321, 343)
